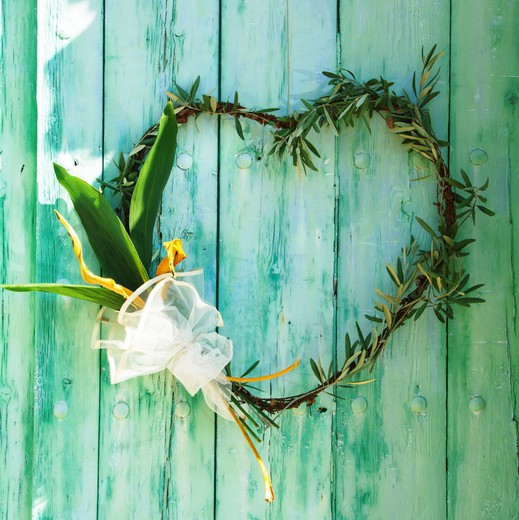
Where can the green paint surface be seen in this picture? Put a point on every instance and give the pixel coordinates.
(483, 346)
(291, 261)
(17, 190)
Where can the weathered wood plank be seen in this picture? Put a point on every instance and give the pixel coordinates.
(483, 355)
(17, 213)
(249, 261)
(303, 446)
(135, 415)
(152, 462)
(190, 212)
(276, 250)
(389, 459)
(69, 98)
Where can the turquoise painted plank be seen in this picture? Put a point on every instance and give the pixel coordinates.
(251, 259)
(301, 453)
(134, 415)
(390, 461)
(17, 213)
(153, 462)
(189, 211)
(69, 99)
(276, 250)
(483, 354)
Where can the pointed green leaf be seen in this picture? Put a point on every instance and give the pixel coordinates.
(330, 122)
(426, 227)
(453, 182)
(152, 181)
(486, 211)
(458, 246)
(352, 359)
(250, 369)
(111, 244)
(466, 178)
(473, 288)
(360, 363)
(97, 295)
(347, 346)
(470, 300)
(438, 315)
(420, 311)
(485, 186)
(194, 88)
(311, 147)
(181, 91)
(315, 370)
(239, 129)
(390, 299)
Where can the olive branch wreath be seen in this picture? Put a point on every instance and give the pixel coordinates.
(423, 277)
(433, 277)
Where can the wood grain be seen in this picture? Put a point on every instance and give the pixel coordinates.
(146, 51)
(306, 207)
(390, 460)
(136, 414)
(18, 241)
(66, 384)
(482, 447)
(189, 210)
(278, 229)
(252, 239)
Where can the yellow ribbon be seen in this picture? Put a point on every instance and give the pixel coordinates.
(86, 273)
(175, 256)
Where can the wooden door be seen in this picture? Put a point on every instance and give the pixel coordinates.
(291, 261)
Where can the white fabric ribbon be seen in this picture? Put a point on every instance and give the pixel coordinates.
(174, 331)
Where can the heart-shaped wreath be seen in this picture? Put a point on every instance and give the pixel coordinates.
(162, 323)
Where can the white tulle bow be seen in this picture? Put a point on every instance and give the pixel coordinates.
(174, 331)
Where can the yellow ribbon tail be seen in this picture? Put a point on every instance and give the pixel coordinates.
(87, 275)
(264, 378)
(175, 255)
(269, 491)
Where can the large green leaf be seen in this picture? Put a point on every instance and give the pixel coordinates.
(109, 240)
(151, 183)
(97, 295)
